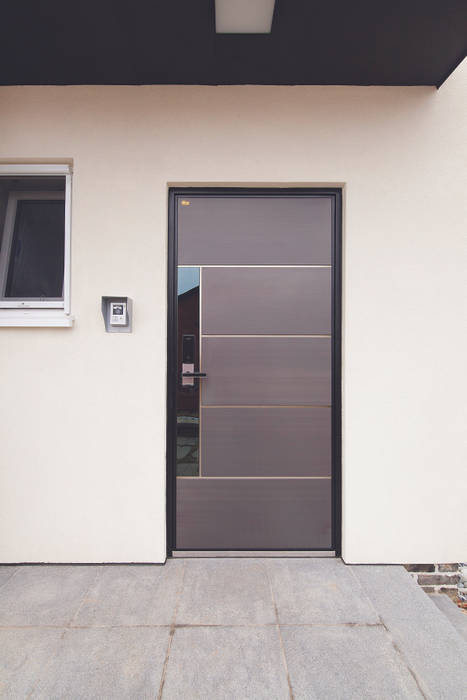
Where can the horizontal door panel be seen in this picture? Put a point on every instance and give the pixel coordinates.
(271, 441)
(254, 230)
(266, 371)
(253, 514)
(282, 301)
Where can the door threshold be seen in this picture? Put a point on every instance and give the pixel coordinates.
(206, 554)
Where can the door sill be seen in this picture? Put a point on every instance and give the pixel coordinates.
(205, 553)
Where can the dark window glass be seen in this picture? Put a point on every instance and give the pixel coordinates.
(35, 266)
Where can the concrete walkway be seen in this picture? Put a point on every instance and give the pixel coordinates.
(226, 628)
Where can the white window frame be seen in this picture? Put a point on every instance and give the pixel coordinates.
(36, 312)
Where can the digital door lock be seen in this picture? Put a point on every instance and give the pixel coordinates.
(188, 361)
(188, 349)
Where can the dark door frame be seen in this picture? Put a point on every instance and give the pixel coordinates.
(335, 194)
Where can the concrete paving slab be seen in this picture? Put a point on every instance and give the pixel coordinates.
(106, 663)
(6, 572)
(89, 632)
(346, 663)
(225, 592)
(24, 654)
(455, 616)
(219, 663)
(132, 595)
(44, 595)
(318, 591)
(429, 643)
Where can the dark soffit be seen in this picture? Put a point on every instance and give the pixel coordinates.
(313, 42)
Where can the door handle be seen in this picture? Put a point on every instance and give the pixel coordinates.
(196, 375)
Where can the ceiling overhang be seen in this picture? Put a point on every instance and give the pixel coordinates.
(312, 42)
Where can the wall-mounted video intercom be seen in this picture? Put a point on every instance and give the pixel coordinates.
(117, 313)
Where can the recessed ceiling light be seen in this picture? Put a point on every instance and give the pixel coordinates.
(244, 16)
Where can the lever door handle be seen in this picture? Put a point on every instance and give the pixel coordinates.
(196, 375)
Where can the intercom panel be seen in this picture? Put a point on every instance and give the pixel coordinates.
(117, 313)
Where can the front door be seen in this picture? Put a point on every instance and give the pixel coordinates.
(253, 369)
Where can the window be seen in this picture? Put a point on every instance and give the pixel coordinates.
(35, 245)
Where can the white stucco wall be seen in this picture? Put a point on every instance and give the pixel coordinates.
(68, 491)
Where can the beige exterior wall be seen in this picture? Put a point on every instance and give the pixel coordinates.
(68, 490)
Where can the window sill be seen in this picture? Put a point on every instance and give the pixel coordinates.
(39, 318)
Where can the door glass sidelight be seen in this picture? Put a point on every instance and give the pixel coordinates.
(188, 388)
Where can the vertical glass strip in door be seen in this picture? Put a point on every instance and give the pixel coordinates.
(188, 359)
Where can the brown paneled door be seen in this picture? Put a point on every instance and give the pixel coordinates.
(253, 387)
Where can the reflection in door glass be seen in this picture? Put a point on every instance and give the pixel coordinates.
(188, 360)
